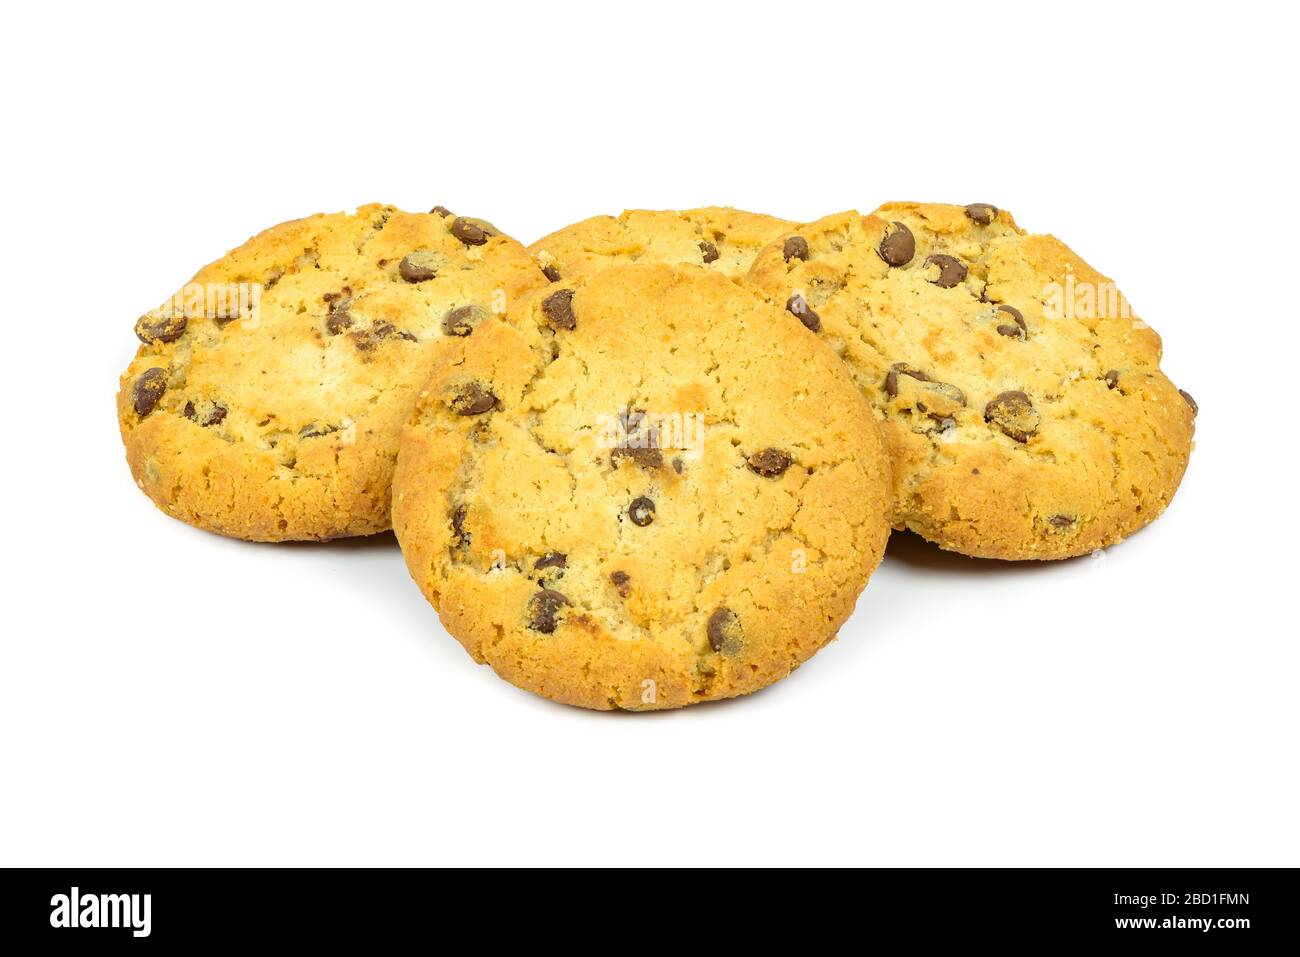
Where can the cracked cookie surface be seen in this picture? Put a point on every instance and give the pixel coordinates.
(641, 489)
(266, 403)
(719, 238)
(1021, 400)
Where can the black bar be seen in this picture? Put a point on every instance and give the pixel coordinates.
(1237, 909)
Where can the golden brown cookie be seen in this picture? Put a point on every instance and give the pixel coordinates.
(722, 239)
(641, 489)
(268, 396)
(1021, 400)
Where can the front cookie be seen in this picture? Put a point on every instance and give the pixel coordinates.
(1021, 400)
(641, 490)
(267, 398)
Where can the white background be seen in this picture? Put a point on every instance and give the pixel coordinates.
(171, 697)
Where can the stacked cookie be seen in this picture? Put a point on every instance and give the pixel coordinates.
(652, 460)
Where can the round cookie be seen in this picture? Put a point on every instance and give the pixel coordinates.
(724, 240)
(267, 399)
(641, 490)
(1021, 401)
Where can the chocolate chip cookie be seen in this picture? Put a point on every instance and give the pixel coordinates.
(641, 489)
(723, 239)
(267, 396)
(1021, 399)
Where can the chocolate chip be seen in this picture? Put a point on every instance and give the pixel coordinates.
(314, 430)
(1190, 401)
(462, 320)
(152, 327)
(1014, 414)
(1112, 378)
(708, 251)
(981, 213)
(769, 463)
(641, 511)
(1019, 330)
(543, 609)
(416, 267)
(339, 319)
(363, 340)
(797, 305)
(901, 368)
(551, 272)
(898, 246)
(621, 580)
(648, 458)
(442, 211)
(458, 524)
(148, 389)
(551, 560)
(951, 270)
(558, 309)
(471, 232)
(948, 391)
(1061, 521)
(724, 631)
(678, 466)
(472, 399)
(379, 331)
(941, 388)
(796, 247)
(215, 414)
